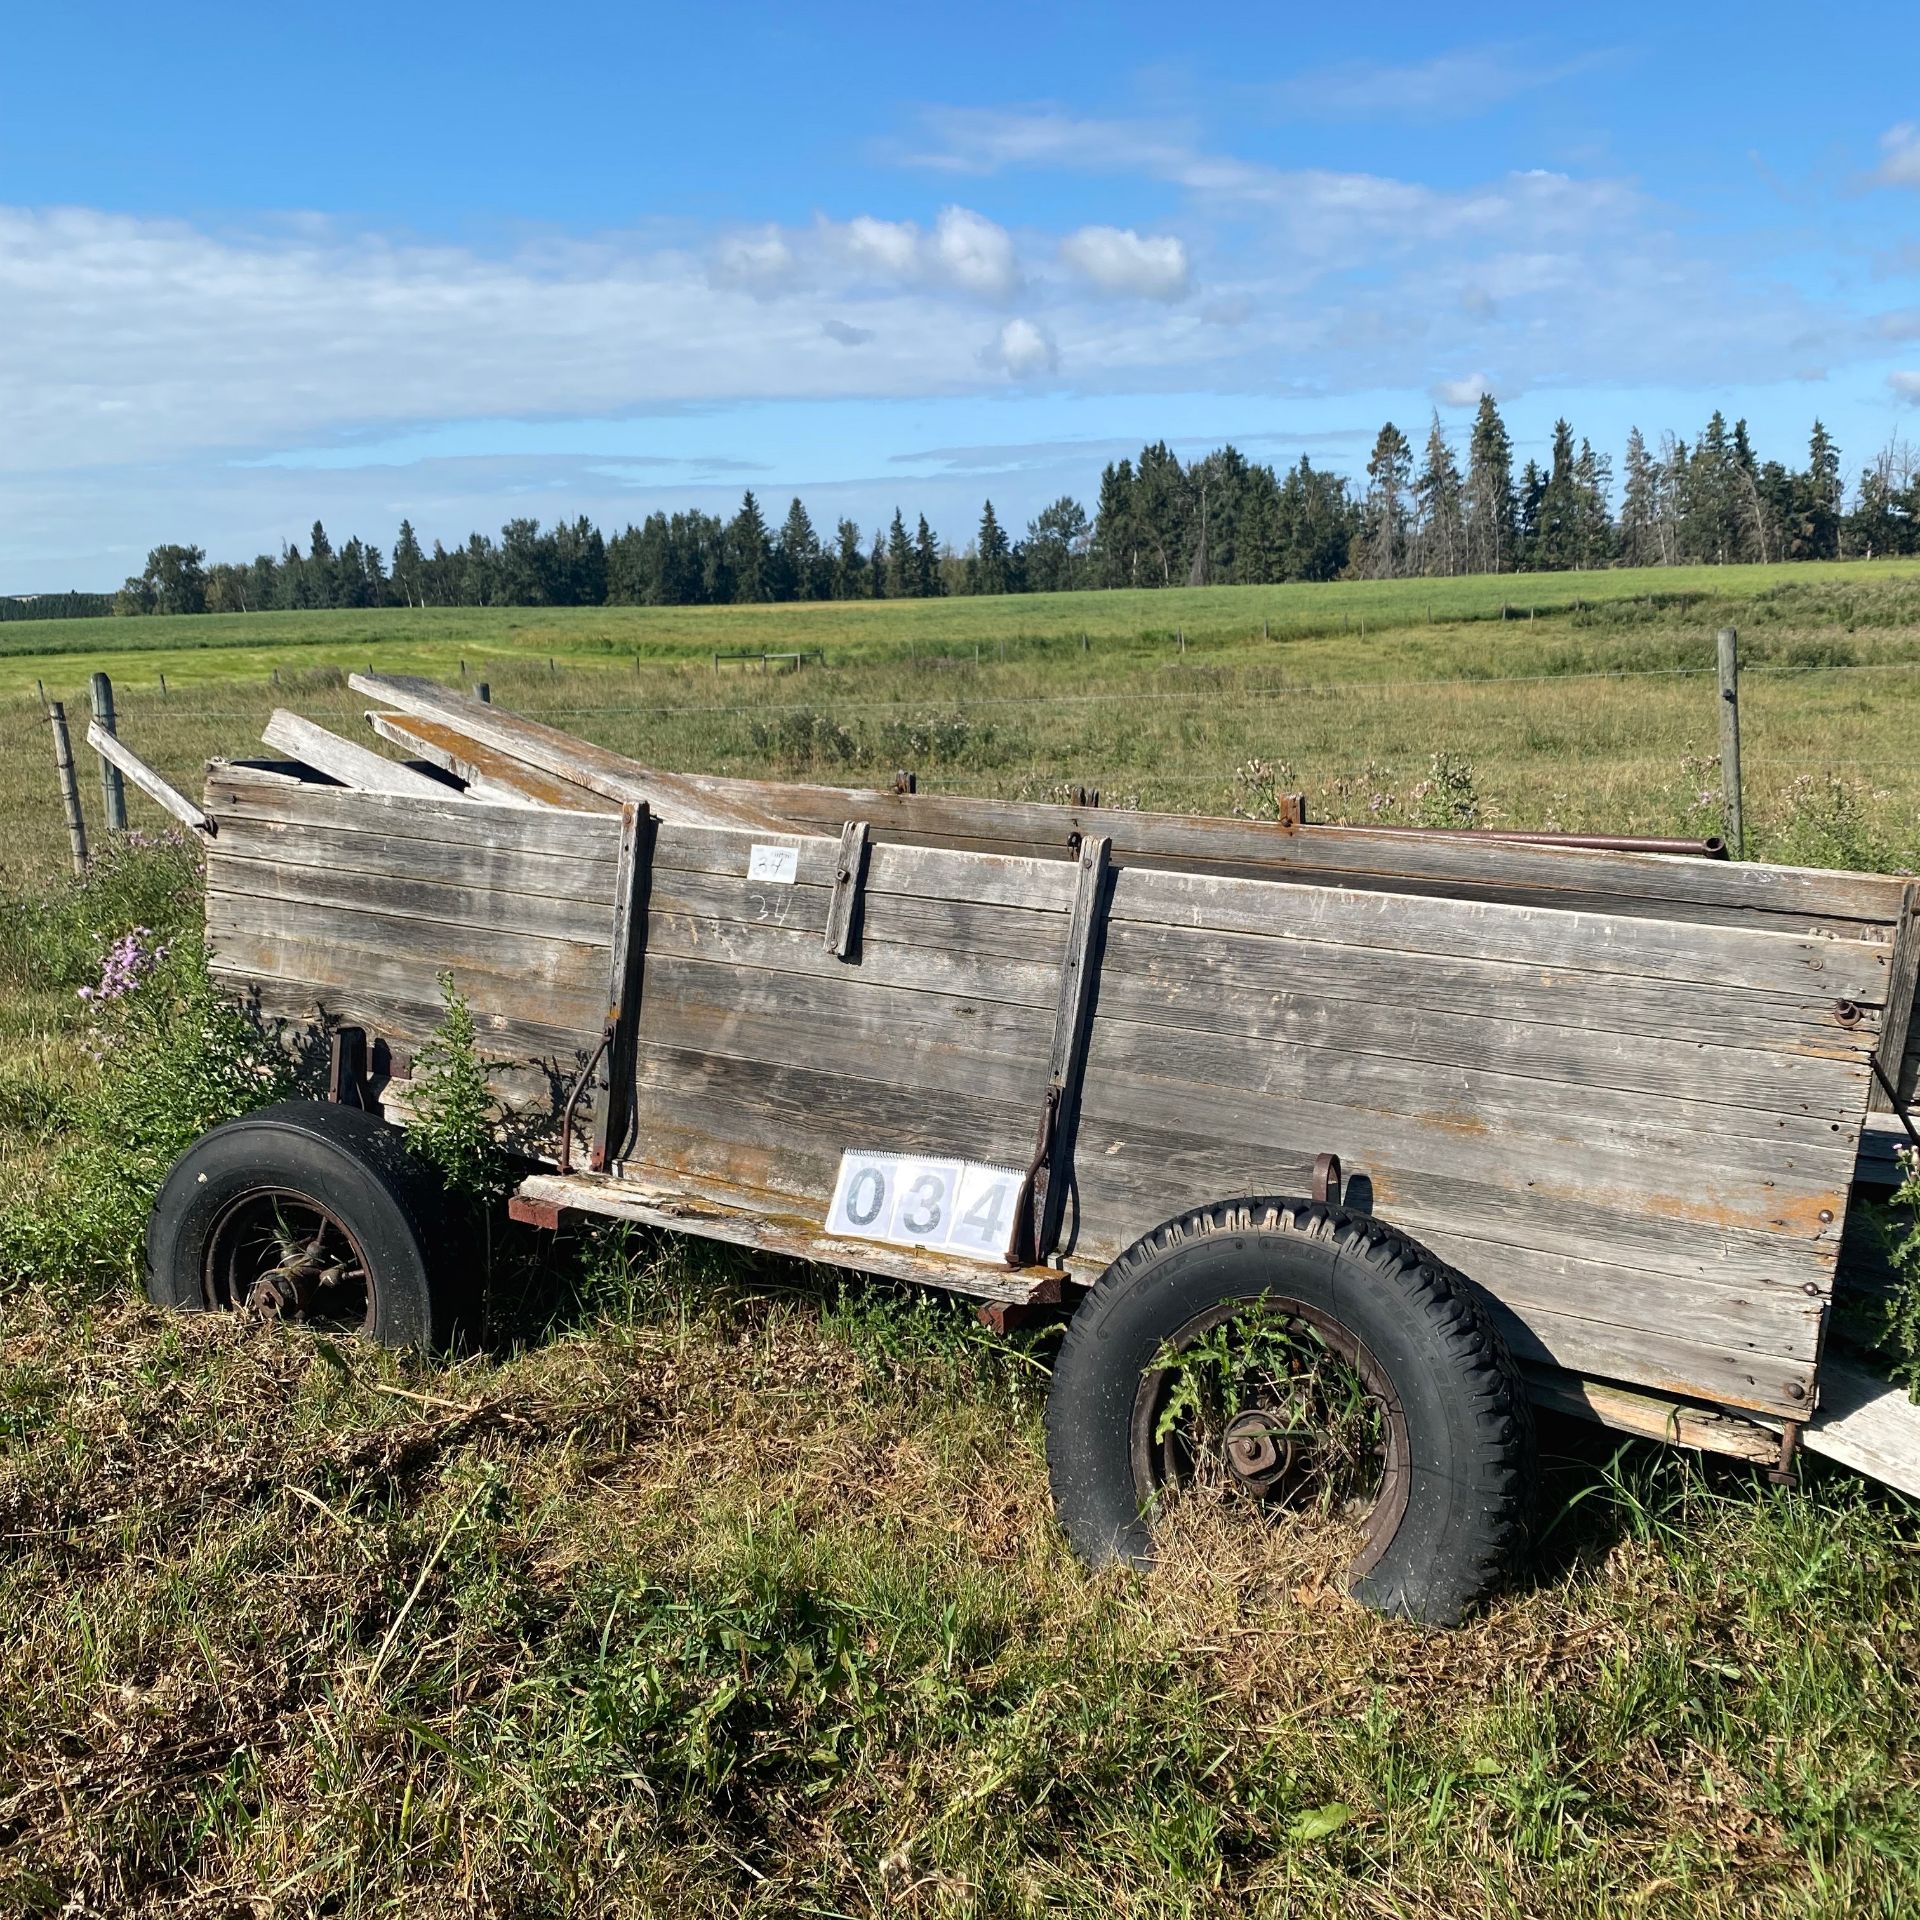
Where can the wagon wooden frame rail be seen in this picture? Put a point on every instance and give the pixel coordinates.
(1635, 1098)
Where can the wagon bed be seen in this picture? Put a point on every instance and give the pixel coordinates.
(1634, 1097)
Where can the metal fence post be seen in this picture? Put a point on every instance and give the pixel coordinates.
(113, 789)
(1729, 652)
(69, 787)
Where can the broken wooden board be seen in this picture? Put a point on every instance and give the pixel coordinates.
(347, 761)
(1867, 1424)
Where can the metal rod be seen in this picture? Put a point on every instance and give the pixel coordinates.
(113, 789)
(1714, 849)
(1729, 659)
(69, 787)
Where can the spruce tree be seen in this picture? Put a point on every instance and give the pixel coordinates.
(1489, 499)
(928, 583)
(1383, 550)
(900, 575)
(750, 552)
(991, 555)
(1437, 495)
(409, 565)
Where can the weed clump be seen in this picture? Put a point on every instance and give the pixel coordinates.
(171, 1058)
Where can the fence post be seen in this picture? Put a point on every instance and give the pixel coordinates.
(1729, 653)
(485, 692)
(69, 788)
(113, 789)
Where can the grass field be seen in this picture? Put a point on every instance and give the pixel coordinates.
(709, 1587)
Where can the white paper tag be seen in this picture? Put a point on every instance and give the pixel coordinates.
(945, 1206)
(778, 864)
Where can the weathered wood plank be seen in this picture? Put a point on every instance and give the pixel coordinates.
(431, 901)
(1675, 1421)
(1867, 1424)
(849, 878)
(654, 1202)
(1025, 982)
(1897, 1022)
(1576, 942)
(918, 1042)
(1463, 1115)
(1802, 1096)
(1180, 976)
(451, 818)
(161, 792)
(626, 959)
(488, 773)
(921, 872)
(1664, 883)
(951, 926)
(670, 797)
(541, 877)
(347, 761)
(556, 983)
(784, 1129)
(1139, 1171)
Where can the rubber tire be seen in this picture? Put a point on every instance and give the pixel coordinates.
(1469, 1425)
(355, 1165)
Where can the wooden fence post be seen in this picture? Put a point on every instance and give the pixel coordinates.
(69, 788)
(485, 692)
(1729, 656)
(113, 790)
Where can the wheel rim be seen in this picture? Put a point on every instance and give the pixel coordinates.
(1283, 1406)
(282, 1255)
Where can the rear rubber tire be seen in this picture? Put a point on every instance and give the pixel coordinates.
(1471, 1467)
(349, 1163)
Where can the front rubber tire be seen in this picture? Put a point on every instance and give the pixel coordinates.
(349, 1163)
(1470, 1470)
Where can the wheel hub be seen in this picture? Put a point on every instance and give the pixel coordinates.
(1259, 1451)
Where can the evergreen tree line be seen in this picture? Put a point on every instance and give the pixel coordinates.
(1221, 520)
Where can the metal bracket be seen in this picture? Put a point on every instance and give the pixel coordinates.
(1326, 1179)
(347, 1068)
(1043, 1193)
(616, 1055)
(1785, 1471)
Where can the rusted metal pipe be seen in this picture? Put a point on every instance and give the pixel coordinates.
(1713, 849)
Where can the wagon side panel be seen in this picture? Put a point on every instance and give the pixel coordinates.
(762, 1053)
(332, 907)
(1637, 1135)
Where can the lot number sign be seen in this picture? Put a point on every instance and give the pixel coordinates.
(945, 1206)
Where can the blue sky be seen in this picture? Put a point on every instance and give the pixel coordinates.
(469, 262)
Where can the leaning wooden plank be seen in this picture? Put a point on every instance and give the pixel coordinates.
(1898, 1021)
(1867, 1424)
(346, 761)
(611, 775)
(488, 773)
(117, 753)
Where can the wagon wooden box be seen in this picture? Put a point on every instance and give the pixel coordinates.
(1632, 1098)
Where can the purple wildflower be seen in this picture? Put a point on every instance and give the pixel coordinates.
(128, 961)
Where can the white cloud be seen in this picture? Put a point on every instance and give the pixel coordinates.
(760, 261)
(1025, 348)
(1450, 86)
(969, 251)
(1118, 260)
(1906, 385)
(889, 247)
(1900, 156)
(1464, 392)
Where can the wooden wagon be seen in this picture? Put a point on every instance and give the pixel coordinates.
(1457, 1122)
